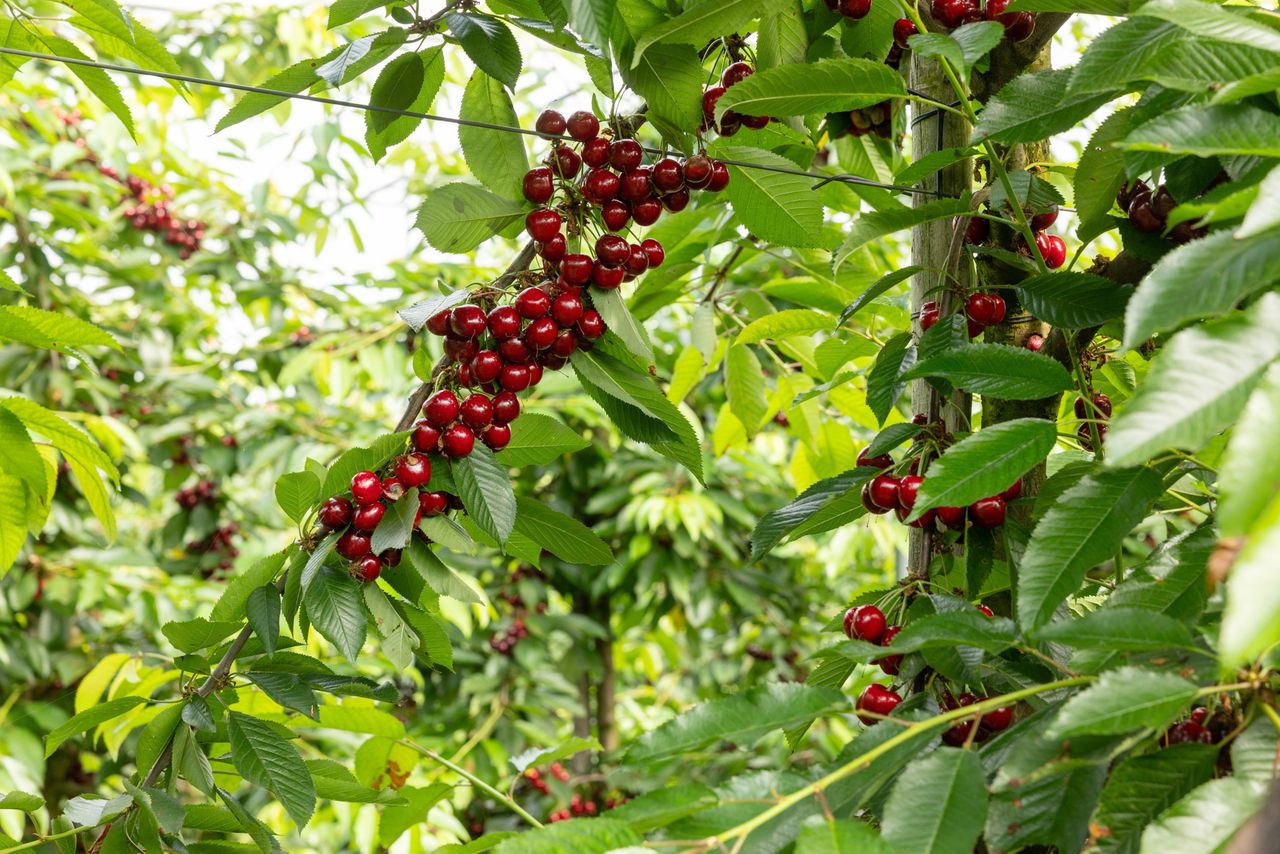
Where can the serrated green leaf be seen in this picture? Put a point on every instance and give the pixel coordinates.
(563, 536)
(1225, 129)
(985, 463)
(1083, 528)
(1142, 787)
(488, 43)
(1249, 475)
(775, 206)
(872, 226)
(263, 612)
(459, 217)
(1124, 700)
(669, 77)
(744, 386)
(621, 323)
(1073, 300)
(887, 378)
(345, 11)
(197, 634)
(496, 158)
(822, 836)
(1206, 819)
(485, 489)
(336, 610)
(784, 324)
(1250, 624)
(1100, 172)
(582, 836)
(951, 628)
(1198, 384)
(1118, 629)
(263, 757)
(538, 439)
(882, 285)
(828, 86)
(775, 525)
(296, 493)
(705, 20)
(20, 801)
(441, 578)
(661, 807)
(88, 719)
(396, 525)
(21, 459)
(1009, 373)
(938, 804)
(1035, 106)
(545, 755)
(289, 690)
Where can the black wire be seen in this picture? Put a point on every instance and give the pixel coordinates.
(337, 102)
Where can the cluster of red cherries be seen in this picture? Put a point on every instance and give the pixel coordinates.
(504, 642)
(981, 310)
(1018, 26)
(1149, 211)
(539, 781)
(867, 623)
(1053, 249)
(151, 211)
(220, 543)
(203, 492)
(731, 121)
(371, 495)
(1192, 730)
(887, 492)
(1097, 409)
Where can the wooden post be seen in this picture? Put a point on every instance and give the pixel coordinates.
(934, 130)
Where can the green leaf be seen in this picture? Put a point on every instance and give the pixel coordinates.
(1035, 106)
(1142, 787)
(13, 528)
(485, 489)
(396, 525)
(1264, 214)
(88, 719)
(197, 634)
(396, 88)
(891, 437)
(1118, 629)
(442, 579)
(538, 439)
(1198, 384)
(50, 330)
(985, 463)
(1213, 22)
(114, 29)
(669, 77)
(784, 324)
(355, 460)
(938, 805)
(288, 690)
(263, 757)
(21, 459)
(622, 323)
(970, 627)
(334, 71)
(21, 802)
(345, 11)
(1249, 475)
(1225, 129)
(333, 782)
(459, 217)
(1124, 700)
(488, 43)
(591, 19)
(545, 755)
(296, 493)
(96, 81)
(964, 46)
(1251, 622)
(828, 86)
(1073, 300)
(336, 610)
(661, 807)
(581, 836)
(1008, 373)
(834, 836)
(317, 558)
(1100, 172)
(705, 20)
(778, 207)
(563, 536)
(872, 226)
(881, 286)
(1207, 818)
(1204, 278)
(740, 718)
(398, 128)
(887, 378)
(263, 613)
(744, 386)
(496, 158)
(1042, 795)
(776, 524)
(1083, 528)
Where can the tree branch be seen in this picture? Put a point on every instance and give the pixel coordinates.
(1124, 269)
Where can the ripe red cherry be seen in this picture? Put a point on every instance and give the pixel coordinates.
(433, 503)
(646, 211)
(458, 441)
(890, 663)
(476, 412)
(540, 333)
(392, 489)
(625, 154)
(985, 309)
(426, 436)
(677, 201)
(1053, 248)
(736, 73)
(352, 545)
(709, 100)
(564, 344)
(637, 260)
(985, 610)
(514, 351)
(667, 175)
(697, 169)
(550, 123)
(952, 517)
(719, 177)
(367, 568)
(1101, 407)
(1044, 219)
(596, 152)
(439, 323)
(365, 487)
(1013, 491)
(908, 488)
(878, 700)
(612, 249)
(538, 185)
(468, 321)
(583, 125)
(576, 269)
(441, 408)
(869, 505)
(997, 720)
(566, 309)
(865, 622)
(854, 10)
(1021, 27)
(925, 521)
(653, 251)
(883, 461)
(335, 512)
(903, 29)
(535, 373)
(600, 185)
(615, 214)
(532, 303)
(485, 366)
(928, 316)
(883, 490)
(554, 249)
(606, 276)
(988, 512)
(951, 13)
(635, 184)
(514, 377)
(1188, 732)
(542, 224)
(1034, 342)
(497, 436)
(368, 516)
(506, 407)
(390, 558)
(460, 349)
(413, 469)
(504, 322)
(565, 162)
(590, 324)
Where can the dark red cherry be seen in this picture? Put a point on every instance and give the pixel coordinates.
(667, 175)
(583, 126)
(988, 512)
(550, 123)
(625, 154)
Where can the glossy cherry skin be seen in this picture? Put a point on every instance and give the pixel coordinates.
(988, 512)
(367, 568)
(532, 303)
(468, 321)
(952, 517)
(719, 171)
(583, 126)
(476, 411)
(736, 73)
(550, 123)
(335, 512)
(908, 488)
(997, 720)
(877, 700)
(497, 436)
(458, 441)
(538, 185)
(368, 516)
(625, 154)
(869, 505)
(667, 175)
(413, 469)
(566, 309)
(542, 224)
(590, 324)
(1053, 248)
(864, 622)
(366, 488)
(903, 29)
(441, 408)
(1044, 219)
(928, 315)
(653, 251)
(890, 663)
(883, 461)
(426, 436)
(352, 545)
(883, 490)
(506, 407)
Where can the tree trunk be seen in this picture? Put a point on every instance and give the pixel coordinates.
(606, 729)
(582, 720)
